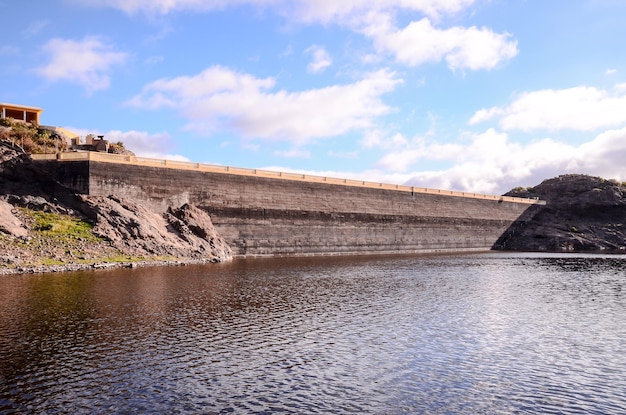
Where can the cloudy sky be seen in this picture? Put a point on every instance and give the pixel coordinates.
(471, 95)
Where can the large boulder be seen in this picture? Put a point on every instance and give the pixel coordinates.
(582, 214)
(9, 223)
(185, 232)
(576, 191)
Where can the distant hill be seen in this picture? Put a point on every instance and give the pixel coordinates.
(583, 214)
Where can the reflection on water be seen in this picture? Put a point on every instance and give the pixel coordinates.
(489, 333)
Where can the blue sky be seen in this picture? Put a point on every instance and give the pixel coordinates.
(471, 95)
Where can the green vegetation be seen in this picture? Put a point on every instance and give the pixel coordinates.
(615, 182)
(521, 189)
(61, 227)
(36, 140)
(113, 259)
(50, 261)
(58, 240)
(121, 258)
(117, 148)
(30, 137)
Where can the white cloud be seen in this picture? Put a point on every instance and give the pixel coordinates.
(605, 155)
(143, 144)
(492, 163)
(320, 59)
(462, 48)
(580, 108)
(86, 62)
(610, 71)
(373, 176)
(221, 99)
(372, 138)
(156, 6)
(485, 114)
(620, 87)
(399, 161)
(351, 12)
(401, 158)
(377, 138)
(325, 11)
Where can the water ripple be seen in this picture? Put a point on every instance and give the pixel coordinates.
(492, 334)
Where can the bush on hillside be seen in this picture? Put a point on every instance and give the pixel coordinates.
(30, 137)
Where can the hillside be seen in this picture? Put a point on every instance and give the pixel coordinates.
(582, 214)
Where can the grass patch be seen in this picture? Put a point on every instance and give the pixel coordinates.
(49, 262)
(129, 258)
(59, 239)
(121, 258)
(62, 227)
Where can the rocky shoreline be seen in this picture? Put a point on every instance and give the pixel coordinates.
(71, 267)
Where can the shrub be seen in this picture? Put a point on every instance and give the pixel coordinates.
(30, 137)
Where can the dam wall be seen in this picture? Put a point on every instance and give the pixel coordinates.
(262, 213)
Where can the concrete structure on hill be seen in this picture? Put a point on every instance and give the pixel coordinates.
(263, 213)
(20, 112)
(33, 115)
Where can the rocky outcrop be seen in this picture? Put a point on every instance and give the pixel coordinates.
(185, 232)
(582, 214)
(121, 228)
(10, 224)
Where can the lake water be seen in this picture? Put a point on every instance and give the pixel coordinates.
(491, 333)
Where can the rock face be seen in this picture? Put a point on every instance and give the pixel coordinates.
(23, 184)
(10, 224)
(185, 232)
(582, 214)
(124, 228)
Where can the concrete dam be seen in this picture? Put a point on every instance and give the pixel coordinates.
(266, 213)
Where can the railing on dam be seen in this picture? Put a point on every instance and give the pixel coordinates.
(213, 168)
